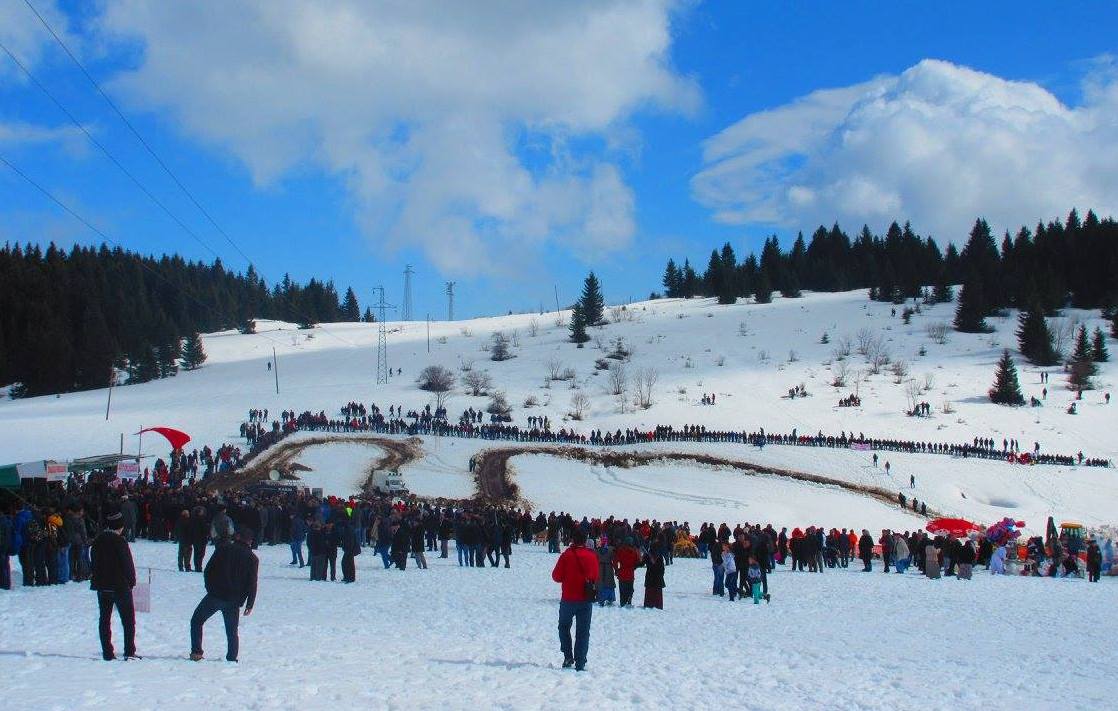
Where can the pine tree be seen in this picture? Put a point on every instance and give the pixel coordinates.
(970, 315)
(689, 284)
(593, 305)
(1098, 348)
(1006, 390)
(763, 289)
(578, 325)
(942, 292)
(142, 364)
(351, 311)
(167, 356)
(1082, 367)
(1114, 325)
(791, 288)
(368, 317)
(672, 279)
(1034, 339)
(193, 352)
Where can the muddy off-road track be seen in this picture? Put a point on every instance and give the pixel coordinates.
(495, 481)
(493, 478)
(397, 453)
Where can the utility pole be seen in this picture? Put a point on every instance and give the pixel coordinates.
(108, 404)
(556, 287)
(275, 368)
(405, 310)
(428, 333)
(450, 301)
(382, 338)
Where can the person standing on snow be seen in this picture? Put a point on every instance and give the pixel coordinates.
(113, 577)
(865, 551)
(230, 582)
(577, 572)
(625, 562)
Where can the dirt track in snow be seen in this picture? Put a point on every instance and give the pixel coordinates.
(496, 482)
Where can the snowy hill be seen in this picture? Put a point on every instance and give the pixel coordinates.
(749, 356)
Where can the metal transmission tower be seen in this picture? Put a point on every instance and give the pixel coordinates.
(450, 301)
(382, 337)
(405, 310)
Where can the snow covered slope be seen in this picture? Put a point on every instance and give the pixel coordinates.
(747, 355)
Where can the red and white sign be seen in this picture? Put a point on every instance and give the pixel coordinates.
(57, 471)
(128, 470)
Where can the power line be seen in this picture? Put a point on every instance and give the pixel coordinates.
(383, 371)
(154, 155)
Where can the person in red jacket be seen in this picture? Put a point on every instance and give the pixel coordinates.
(625, 562)
(576, 567)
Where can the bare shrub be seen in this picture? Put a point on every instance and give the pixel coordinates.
(912, 392)
(466, 333)
(514, 338)
(477, 382)
(436, 379)
(763, 356)
(616, 313)
(743, 328)
(579, 403)
(1063, 333)
(498, 404)
(645, 382)
(929, 382)
(948, 408)
(531, 401)
(899, 368)
(618, 379)
(840, 373)
(865, 340)
(938, 331)
(554, 367)
(466, 365)
(720, 361)
(844, 346)
(567, 374)
(533, 327)
(793, 356)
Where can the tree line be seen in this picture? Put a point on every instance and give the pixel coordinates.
(73, 320)
(1054, 265)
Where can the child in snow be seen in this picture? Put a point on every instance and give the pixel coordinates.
(753, 575)
(997, 561)
(731, 569)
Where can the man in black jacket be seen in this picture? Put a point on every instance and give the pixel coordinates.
(113, 577)
(230, 583)
(865, 550)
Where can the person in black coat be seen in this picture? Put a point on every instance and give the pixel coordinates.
(231, 577)
(401, 544)
(865, 550)
(113, 577)
(182, 537)
(316, 551)
(199, 535)
(333, 543)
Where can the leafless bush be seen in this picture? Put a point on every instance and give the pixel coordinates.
(618, 379)
(561, 320)
(866, 338)
(554, 367)
(514, 338)
(743, 328)
(912, 393)
(477, 382)
(877, 353)
(929, 382)
(531, 401)
(579, 403)
(466, 365)
(436, 379)
(645, 382)
(763, 356)
(1063, 333)
(441, 340)
(533, 327)
(567, 374)
(844, 346)
(466, 333)
(720, 361)
(793, 356)
(616, 313)
(948, 408)
(498, 404)
(899, 368)
(937, 331)
(839, 374)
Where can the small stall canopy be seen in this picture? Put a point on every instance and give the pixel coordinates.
(9, 476)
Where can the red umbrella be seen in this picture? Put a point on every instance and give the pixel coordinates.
(177, 438)
(955, 527)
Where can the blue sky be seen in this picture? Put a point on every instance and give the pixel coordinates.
(513, 146)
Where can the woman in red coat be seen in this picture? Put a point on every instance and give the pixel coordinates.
(625, 562)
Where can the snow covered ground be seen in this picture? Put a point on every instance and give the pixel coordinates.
(471, 639)
(338, 467)
(748, 355)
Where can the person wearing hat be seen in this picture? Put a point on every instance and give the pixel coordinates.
(230, 583)
(577, 571)
(113, 577)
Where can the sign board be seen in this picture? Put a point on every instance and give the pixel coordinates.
(57, 472)
(128, 470)
(32, 470)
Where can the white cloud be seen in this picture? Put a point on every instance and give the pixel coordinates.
(939, 144)
(26, 38)
(421, 107)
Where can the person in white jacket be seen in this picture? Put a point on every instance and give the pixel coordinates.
(731, 570)
(997, 561)
(901, 555)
